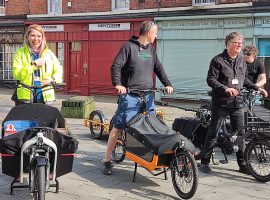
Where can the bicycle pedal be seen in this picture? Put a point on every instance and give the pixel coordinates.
(223, 161)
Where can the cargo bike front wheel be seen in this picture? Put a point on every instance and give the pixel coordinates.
(39, 183)
(184, 174)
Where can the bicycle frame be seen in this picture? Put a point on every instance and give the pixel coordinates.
(38, 140)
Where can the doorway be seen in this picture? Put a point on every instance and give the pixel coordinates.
(75, 67)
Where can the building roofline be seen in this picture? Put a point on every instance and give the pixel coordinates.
(243, 8)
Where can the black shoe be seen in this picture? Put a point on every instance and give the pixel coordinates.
(205, 168)
(107, 168)
(244, 170)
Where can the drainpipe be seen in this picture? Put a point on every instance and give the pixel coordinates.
(159, 4)
(29, 5)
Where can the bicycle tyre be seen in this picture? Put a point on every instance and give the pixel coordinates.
(187, 170)
(111, 125)
(40, 183)
(97, 129)
(260, 150)
(119, 152)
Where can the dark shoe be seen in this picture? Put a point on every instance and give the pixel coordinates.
(244, 170)
(205, 168)
(107, 168)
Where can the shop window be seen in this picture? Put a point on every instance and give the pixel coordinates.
(120, 4)
(58, 49)
(75, 46)
(202, 2)
(6, 56)
(264, 54)
(54, 6)
(2, 7)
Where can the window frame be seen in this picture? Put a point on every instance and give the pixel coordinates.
(49, 2)
(7, 52)
(2, 7)
(116, 9)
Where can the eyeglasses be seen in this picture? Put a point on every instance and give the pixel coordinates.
(238, 43)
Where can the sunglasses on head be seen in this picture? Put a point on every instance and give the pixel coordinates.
(150, 24)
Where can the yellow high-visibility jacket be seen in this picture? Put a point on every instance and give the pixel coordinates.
(23, 72)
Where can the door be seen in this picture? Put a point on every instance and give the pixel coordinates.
(75, 66)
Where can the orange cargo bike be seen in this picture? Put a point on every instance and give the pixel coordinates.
(148, 142)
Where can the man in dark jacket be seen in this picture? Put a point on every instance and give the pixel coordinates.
(227, 74)
(133, 68)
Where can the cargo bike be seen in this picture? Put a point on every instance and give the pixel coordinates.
(36, 144)
(148, 142)
(256, 137)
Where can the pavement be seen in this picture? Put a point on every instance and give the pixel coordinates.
(87, 182)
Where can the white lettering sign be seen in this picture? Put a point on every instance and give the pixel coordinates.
(109, 27)
(53, 28)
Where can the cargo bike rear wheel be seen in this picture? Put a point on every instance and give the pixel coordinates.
(184, 174)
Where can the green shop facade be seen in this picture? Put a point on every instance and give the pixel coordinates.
(186, 45)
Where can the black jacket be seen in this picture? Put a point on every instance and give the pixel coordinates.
(221, 72)
(134, 65)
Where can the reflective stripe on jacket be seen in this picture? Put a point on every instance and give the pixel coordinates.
(23, 72)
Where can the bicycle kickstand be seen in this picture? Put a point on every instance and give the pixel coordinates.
(225, 161)
(213, 159)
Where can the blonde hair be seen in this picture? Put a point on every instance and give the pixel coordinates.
(39, 29)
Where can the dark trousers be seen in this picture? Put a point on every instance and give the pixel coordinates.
(237, 123)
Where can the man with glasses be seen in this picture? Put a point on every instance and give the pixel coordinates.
(226, 76)
(133, 68)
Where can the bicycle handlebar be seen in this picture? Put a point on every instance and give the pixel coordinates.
(34, 87)
(146, 90)
(251, 92)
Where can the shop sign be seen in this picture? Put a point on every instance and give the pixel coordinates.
(109, 27)
(266, 22)
(53, 28)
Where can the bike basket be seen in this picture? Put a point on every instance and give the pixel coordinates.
(15, 126)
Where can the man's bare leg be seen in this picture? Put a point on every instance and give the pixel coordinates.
(111, 143)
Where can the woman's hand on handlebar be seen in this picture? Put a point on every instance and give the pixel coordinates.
(46, 81)
(121, 89)
(168, 89)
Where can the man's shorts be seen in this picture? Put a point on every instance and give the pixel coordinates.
(128, 106)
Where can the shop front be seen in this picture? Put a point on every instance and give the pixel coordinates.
(187, 44)
(262, 41)
(11, 38)
(86, 49)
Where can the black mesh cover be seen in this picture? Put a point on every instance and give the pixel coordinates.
(154, 135)
(192, 128)
(47, 116)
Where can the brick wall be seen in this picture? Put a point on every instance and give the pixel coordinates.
(148, 4)
(236, 1)
(81, 6)
(18, 7)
